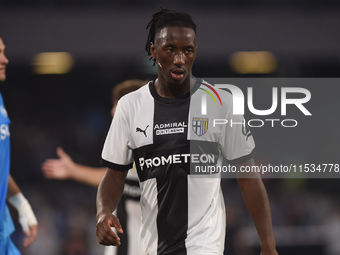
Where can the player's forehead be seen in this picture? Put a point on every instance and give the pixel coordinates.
(175, 35)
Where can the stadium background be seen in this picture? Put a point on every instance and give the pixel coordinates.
(105, 45)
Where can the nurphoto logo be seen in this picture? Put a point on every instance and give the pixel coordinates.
(239, 104)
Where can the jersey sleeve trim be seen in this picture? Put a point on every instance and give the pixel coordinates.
(120, 168)
(243, 159)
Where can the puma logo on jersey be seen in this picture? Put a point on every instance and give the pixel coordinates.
(142, 131)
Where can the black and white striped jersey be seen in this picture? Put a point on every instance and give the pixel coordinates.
(182, 213)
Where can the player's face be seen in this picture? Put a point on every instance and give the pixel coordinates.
(175, 51)
(3, 61)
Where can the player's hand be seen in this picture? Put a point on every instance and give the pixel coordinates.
(104, 232)
(28, 223)
(58, 168)
(27, 219)
(31, 234)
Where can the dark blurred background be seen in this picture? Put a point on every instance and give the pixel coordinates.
(64, 99)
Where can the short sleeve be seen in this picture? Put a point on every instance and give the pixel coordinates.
(117, 152)
(236, 140)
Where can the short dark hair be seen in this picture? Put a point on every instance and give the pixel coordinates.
(166, 18)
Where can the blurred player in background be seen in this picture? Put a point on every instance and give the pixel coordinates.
(129, 209)
(8, 187)
(156, 127)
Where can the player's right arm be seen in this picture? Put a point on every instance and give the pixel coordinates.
(109, 193)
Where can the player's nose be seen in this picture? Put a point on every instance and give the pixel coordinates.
(3, 59)
(179, 59)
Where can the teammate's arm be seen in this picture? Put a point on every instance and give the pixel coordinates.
(66, 168)
(109, 193)
(256, 199)
(27, 218)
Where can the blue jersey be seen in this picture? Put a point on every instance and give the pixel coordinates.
(6, 224)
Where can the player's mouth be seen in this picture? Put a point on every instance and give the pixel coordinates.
(177, 74)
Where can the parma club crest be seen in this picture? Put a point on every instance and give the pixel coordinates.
(200, 125)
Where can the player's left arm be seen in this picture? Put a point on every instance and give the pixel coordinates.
(256, 199)
(27, 218)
